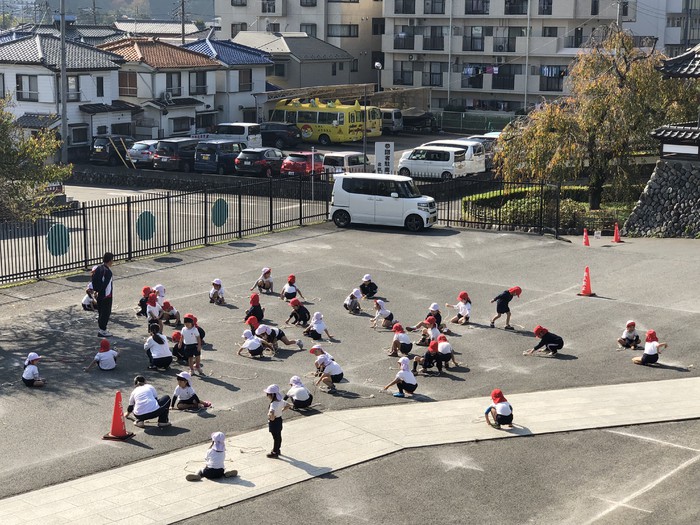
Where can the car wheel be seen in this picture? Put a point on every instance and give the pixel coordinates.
(324, 140)
(414, 223)
(279, 143)
(446, 175)
(341, 218)
(268, 172)
(405, 172)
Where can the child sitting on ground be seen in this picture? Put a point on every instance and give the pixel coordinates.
(170, 313)
(179, 349)
(255, 309)
(352, 302)
(89, 302)
(434, 312)
(652, 349)
(368, 288)
(30, 375)
(317, 327)
(188, 399)
(630, 337)
(430, 359)
(264, 282)
(105, 359)
(463, 307)
(253, 345)
(299, 395)
(216, 294)
(290, 289)
(154, 312)
(300, 314)
(216, 461)
(430, 332)
(143, 301)
(401, 342)
(446, 352)
(382, 315)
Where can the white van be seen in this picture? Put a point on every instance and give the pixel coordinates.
(389, 200)
(434, 162)
(475, 156)
(392, 120)
(347, 162)
(239, 132)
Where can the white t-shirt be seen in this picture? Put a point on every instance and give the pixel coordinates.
(276, 408)
(214, 290)
(332, 369)
(107, 360)
(183, 394)
(189, 335)
(215, 459)
(629, 334)
(160, 289)
(30, 372)
(144, 399)
(318, 326)
(434, 333)
(157, 349)
(382, 313)
(253, 343)
(445, 348)
(502, 409)
(153, 312)
(350, 299)
(464, 309)
(298, 393)
(651, 348)
(172, 312)
(402, 337)
(289, 288)
(87, 300)
(406, 376)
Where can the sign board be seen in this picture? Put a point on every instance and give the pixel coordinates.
(384, 157)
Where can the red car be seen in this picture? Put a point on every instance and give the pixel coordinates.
(299, 163)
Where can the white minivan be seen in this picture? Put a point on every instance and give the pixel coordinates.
(475, 156)
(246, 132)
(434, 162)
(389, 200)
(392, 120)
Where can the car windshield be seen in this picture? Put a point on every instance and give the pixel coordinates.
(408, 190)
(140, 147)
(101, 142)
(249, 154)
(206, 148)
(296, 158)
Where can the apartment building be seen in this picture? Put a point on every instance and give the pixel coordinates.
(674, 23)
(355, 26)
(479, 54)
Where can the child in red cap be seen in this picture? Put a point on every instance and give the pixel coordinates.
(500, 409)
(430, 333)
(252, 323)
(463, 307)
(105, 359)
(255, 309)
(630, 337)
(290, 289)
(143, 301)
(430, 359)
(401, 342)
(154, 312)
(551, 343)
(170, 313)
(652, 349)
(179, 348)
(433, 311)
(300, 314)
(502, 307)
(446, 353)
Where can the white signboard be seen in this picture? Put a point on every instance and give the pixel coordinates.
(384, 157)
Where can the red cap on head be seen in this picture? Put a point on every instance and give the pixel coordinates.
(254, 299)
(189, 316)
(433, 346)
(540, 331)
(295, 302)
(104, 345)
(516, 290)
(442, 338)
(152, 299)
(463, 296)
(291, 279)
(497, 396)
(430, 320)
(146, 290)
(253, 322)
(397, 327)
(177, 336)
(167, 305)
(651, 336)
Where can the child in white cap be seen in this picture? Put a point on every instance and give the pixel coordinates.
(298, 394)
(216, 294)
(329, 371)
(188, 399)
(264, 282)
(368, 288)
(215, 459)
(274, 418)
(30, 376)
(352, 302)
(252, 345)
(272, 334)
(381, 315)
(160, 290)
(317, 327)
(405, 381)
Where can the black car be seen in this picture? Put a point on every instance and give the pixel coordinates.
(280, 134)
(260, 161)
(110, 149)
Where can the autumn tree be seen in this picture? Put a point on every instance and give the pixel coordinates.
(617, 97)
(26, 168)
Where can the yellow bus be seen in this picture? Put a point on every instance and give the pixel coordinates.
(329, 123)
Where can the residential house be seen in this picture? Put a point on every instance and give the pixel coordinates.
(176, 87)
(170, 31)
(85, 33)
(300, 60)
(30, 74)
(242, 77)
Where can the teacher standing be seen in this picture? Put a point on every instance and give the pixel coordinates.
(102, 284)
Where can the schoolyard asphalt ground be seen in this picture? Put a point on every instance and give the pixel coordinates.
(51, 437)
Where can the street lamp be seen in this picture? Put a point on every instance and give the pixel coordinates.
(378, 66)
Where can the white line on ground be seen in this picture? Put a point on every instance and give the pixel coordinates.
(653, 440)
(623, 504)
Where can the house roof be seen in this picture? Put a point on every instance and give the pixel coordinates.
(680, 133)
(37, 120)
(230, 53)
(686, 65)
(174, 102)
(158, 55)
(116, 105)
(155, 27)
(88, 34)
(305, 48)
(45, 50)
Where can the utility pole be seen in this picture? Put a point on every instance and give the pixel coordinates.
(182, 20)
(64, 88)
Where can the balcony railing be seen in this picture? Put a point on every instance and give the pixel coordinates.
(404, 42)
(516, 7)
(472, 43)
(474, 82)
(405, 7)
(403, 78)
(434, 43)
(476, 7)
(575, 41)
(198, 90)
(503, 82)
(432, 79)
(551, 83)
(504, 44)
(30, 96)
(434, 7)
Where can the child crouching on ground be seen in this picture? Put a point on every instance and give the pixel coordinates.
(170, 313)
(217, 292)
(317, 327)
(264, 282)
(382, 315)
(255, 309)
(143, 301)
(352, 302)
(216, 461)
(368, 288)
(463, 307)
(500, 410)
(105, 359)
(89, 302)
(300, 314)
(630, 337)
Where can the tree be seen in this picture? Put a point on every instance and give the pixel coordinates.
(26, 168)
(617, 98)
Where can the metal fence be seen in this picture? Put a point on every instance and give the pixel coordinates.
(156, 223)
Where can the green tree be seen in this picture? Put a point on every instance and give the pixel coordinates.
(617, 97)
(26, 168)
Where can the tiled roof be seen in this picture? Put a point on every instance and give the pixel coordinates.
(45, 50)
(116, 105)
(229, 53)
(175, 102)
(88, 34)
(159, 55)
(300, 45)
(155, 27)
(681, 133)
(37, 120)
(686, 65)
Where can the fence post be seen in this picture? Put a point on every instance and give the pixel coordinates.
(301, 204)
(556, 220)
(206, 217)
(269, 191)
(240, 214)
(36, 248)
(85, 239)
(129, 235)
(169, 217)
(542, 188)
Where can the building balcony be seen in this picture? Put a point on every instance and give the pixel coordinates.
(476, 7)
(403, 78)
(404, 42)
(470, 43)
(503, 82)
(473, 82)
(272, 8)
(434, 43)
(504, 44)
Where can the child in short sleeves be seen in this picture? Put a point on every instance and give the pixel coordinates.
(273, 335)
(382, 315)
(159, 289)
(368, 288)
(143, 301)
(446, 352)
(253, 345)
(217, 292)
(630, 337)
(463, 307)
(298, 394)
(192, 343)
(401, 341)
(502, 301)
(317, 328)
(30, 375)
(215, 461)
(255, 309)
(300, 314)
(549, 343)
(430, 333)
(405, 381)
(328, 370)
(434, 312)
(430, 359)
(89, 302)
(652, 349)
(274, 418)
(290, 289)
(500, 410)
(352, 302)
(178, 349)
(154, 312)
(156, 346)
(105, 359)
(184, 396)
(170, 314)
(264, 282)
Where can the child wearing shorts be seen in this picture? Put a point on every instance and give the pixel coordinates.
(298, 394)
(500, 410)
(272, 335)
(159, 355)
(630, 337)
(327, 369)
(192, 343)
(300, 314)
(430, 332)
(252, 345)
(154, 312)
(89, 302)
(401, 341)
(463, 307)
(188, 399)
(290, 289)
(652, 349)
(368, 288)
(170, 313)
(445, 351)
(433, 311)
(430, 359)
(264, 282)
(179, 349)
(405, 381)
(217, 292)
(143, 301)
(502, 301)
(30, 375)
(105, 359)
(382, 315)
(215, 461)
(317, 327)
(255, 309)
(352, 302)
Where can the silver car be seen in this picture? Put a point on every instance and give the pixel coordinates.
(141, 153)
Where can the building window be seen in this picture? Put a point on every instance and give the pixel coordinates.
(595, 7)
(473, 39)
(378, 26)
(237, 28)
(355, 65)
(307, 3)
(268, 6)
(405, 7)
(344, 30)
(334, 69)
(476, 7)
(79, 135)
(516, 7)
(181, 124)
(340, 66)
(2, 84)
(550, 32)
(27, 88)
(198, 83)
(309, 29)
(100, 86)
(73, 94)
(345, 1)
(275, 70)
(545, 7)
(239, 3)
(245, 80)
(127, 84)
(173, 84)
(434, 7)
(272, 27)
(625, 8)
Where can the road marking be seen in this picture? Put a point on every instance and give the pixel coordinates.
(660, 442)
(623, 504)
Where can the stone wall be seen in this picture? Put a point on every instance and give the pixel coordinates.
(670, 204)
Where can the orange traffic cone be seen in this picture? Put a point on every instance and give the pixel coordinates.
(586, 287)
(118, 431)
(616, 235)
(585, 237)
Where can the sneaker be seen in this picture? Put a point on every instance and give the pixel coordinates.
(496, 426)
(332, 390)
(206, 404)
(492, 325)
(272, 455)
(104, 333)
(152, 367)
(399, 394)
(300, 344)
(200, 371)
(508, 327)
(165, 425)
(393, 354)
(410, 329)
(194, 477)
(139, 423)
(230, 473)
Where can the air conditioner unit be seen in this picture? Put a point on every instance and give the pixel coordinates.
(500, 60)
(411, 57)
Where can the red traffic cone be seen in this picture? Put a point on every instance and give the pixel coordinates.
(586, 287)
(118, 431)
(585, 238)
(616, 235)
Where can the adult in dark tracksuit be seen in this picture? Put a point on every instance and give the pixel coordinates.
(551, 343)
(502, 300)
(102, 284)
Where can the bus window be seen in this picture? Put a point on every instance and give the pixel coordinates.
(277, 115)
(327, 118)
(341, 119)
(291, 117)
(306, 117)
(352, 118)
